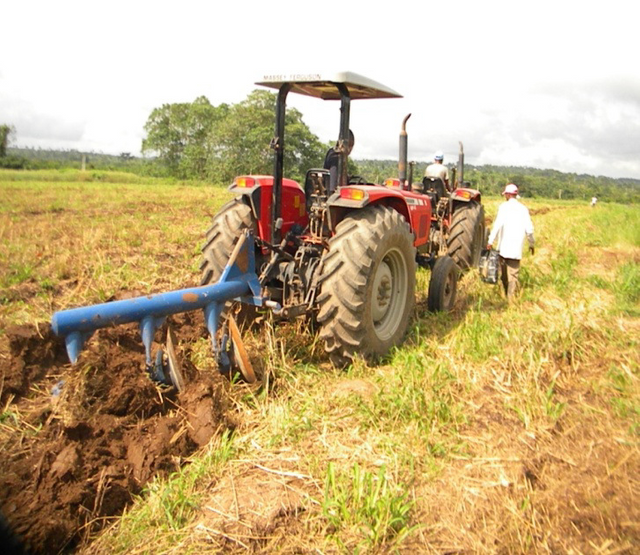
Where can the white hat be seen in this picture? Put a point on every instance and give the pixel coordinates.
(439, 155)
(510, 189)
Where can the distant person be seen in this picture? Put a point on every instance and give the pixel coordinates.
(512, 224)
(331, 162)
(593, 201)
(438, 169)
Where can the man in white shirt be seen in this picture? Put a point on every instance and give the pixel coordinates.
(512, 224)
(438, 169)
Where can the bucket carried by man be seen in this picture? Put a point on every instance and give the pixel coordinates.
(489, 265)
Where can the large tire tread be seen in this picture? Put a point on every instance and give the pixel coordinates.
(361, 242)
(226, 227)
(466, 235)
(443, 285)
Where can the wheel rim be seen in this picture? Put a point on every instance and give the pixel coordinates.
(388, 299)
(448, 289)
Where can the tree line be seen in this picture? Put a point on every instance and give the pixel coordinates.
(532, 182)
(201, 141)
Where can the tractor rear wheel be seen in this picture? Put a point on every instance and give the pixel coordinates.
(466, 235)
(367, 284)
(442, 285)
(226, 227)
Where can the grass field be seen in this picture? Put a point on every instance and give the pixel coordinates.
(497, 428)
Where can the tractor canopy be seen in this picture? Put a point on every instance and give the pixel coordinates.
(343, 86)
(324, 85)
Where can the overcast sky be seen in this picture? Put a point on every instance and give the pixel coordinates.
(547, 84)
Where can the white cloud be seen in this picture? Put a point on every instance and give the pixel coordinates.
(548, 84)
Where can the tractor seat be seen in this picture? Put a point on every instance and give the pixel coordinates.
(434, 185)
(433, 197)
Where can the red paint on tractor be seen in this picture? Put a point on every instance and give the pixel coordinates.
(293, 205)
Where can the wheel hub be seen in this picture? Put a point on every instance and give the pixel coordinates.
(382, 292)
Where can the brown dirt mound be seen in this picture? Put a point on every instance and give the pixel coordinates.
(72, 459)
(243, 508)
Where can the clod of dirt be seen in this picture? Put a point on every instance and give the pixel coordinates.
(205, 411)
(75, 457)
(30, 352)
(250, 505)
(361, 388)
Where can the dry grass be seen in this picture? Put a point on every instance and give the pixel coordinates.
(496, 429)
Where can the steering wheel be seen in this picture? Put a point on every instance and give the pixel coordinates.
(357, 180)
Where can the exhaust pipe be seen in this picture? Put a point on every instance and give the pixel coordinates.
(402, 159)
(461, 165)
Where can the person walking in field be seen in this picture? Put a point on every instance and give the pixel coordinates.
(438, 169)
(511, 226)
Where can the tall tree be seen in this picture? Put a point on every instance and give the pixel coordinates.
(179, 135)
(5, 134)
(217, 143)
(245, 135)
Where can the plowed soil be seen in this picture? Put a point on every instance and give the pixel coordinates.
(79, 442)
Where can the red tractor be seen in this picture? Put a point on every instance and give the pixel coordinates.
(457, 216)
(346, 256)
(341, 252)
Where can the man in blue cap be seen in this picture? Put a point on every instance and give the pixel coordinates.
(438, 169)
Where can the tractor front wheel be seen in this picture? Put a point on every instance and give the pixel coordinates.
(367, 284)
(442, 285)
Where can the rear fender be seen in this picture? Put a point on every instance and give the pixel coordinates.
(462, 194)
(460, 197)
(415, 208)
(256, 191)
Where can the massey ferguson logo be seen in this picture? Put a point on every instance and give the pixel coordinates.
(293, 77)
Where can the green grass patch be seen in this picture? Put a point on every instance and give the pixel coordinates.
(364, 510)
(627, 287)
